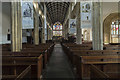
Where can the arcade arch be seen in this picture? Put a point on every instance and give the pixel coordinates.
(110, 21)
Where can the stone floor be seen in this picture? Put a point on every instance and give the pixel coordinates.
(58, 66)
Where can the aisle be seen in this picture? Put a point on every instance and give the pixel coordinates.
(58, 66)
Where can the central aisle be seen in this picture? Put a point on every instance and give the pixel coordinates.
(58, 66)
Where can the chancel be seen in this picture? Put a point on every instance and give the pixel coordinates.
(75, 40)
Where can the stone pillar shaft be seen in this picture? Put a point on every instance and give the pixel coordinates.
(78, 25)
(97, 26)
(36, 26)
(119, 20)
(44, 25)
(16, 27)
(63, 31)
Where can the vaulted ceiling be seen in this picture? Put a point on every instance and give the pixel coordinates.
(57, 11)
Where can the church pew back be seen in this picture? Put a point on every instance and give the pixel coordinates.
(83, 64)
(96, 73)
(35, 62)
(14, 72)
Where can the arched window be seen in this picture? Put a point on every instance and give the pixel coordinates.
(57, 29)
(57, 26)
(115, 28)
(115, 31)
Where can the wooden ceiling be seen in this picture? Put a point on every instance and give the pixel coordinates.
(57, 11)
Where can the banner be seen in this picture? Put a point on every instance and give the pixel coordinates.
(86, 14)
(27, 15)
(72, 26)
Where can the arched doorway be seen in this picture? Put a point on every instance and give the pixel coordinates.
(87, 34)
(109, 24)
(85, 38)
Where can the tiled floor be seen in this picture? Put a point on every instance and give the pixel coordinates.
(59, 66)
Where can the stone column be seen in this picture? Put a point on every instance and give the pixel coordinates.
(63, 31)
(97, 26)
(16, 27)
(44, 25)
(119, 20)
(47, 30)
(67, 29)
(78, 25)
(69, 17)
(36, 25)
(43, 33)
(49, 33)
(20, 23)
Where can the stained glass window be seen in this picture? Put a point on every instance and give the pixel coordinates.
(57, 26)
(57, 29)
(57, 33)
(115, 31)
(112, 29)
(115, 28)
(119, 28)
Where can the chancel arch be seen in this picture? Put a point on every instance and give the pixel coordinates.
(111, 18)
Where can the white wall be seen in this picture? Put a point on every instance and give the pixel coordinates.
(6, 21)
(109, 7)
(6, 24)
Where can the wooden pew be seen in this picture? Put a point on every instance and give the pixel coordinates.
(27, 54)
(47, 48)
(6, 47)
(72, 54)
(112, 47)
(33, 49)
(105, 63)
(96, 73)
(39, 46)
(67, 47)
(35, 62)
(14, 72)
(46, 53)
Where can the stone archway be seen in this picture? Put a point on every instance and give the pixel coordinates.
(107, 26)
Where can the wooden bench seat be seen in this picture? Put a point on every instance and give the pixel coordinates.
(46, 52)
(35, 62)
(107, 63)
(72, 54)
(28, 54)
(14, 72)
(36, 56)
(67, 47)
(7, 47)
(96, 73)
(40, 45)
